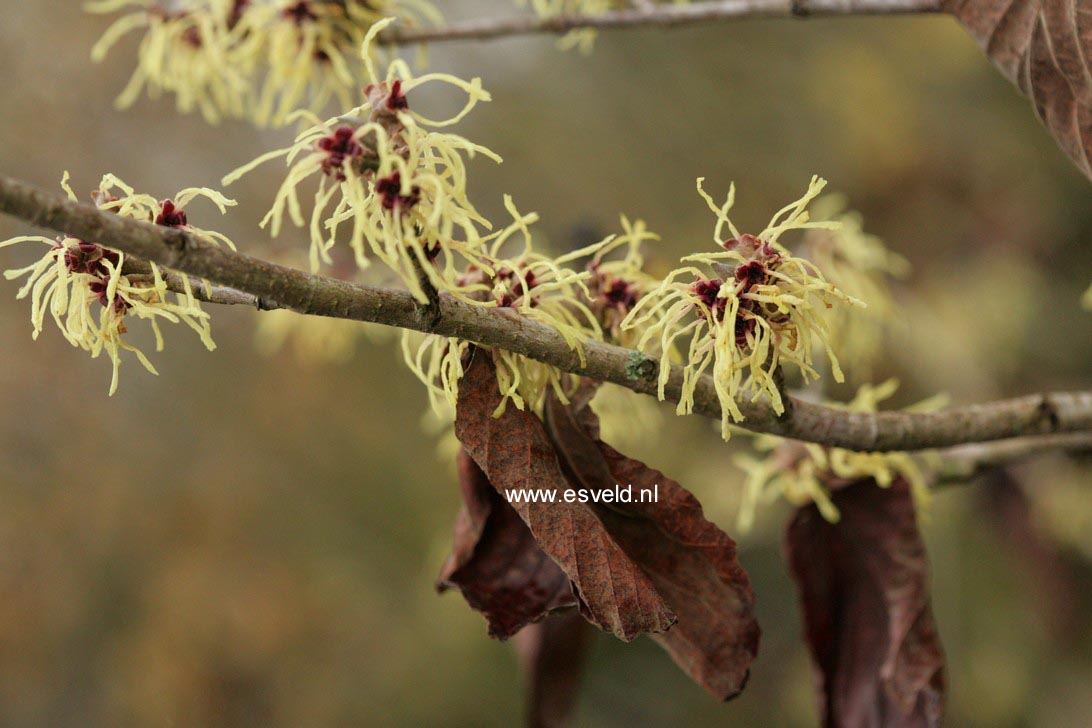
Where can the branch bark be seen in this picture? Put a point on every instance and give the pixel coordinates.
(964, 462)
(277, 286)
(657, 16)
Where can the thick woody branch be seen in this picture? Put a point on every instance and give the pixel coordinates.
(656, 16)
(278, 286)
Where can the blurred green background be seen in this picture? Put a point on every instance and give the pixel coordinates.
(252, 539)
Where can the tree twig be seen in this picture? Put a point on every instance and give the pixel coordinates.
(140, 271)
(963, 462)
(658, 16)
(283, 287)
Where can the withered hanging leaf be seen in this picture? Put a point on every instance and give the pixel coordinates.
(690, 561)
(1044, 47)
(496, 562)
(516, 454)
(553, 653)
(864, 591)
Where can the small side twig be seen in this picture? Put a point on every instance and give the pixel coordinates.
(139, 271)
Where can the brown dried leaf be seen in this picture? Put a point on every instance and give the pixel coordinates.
(496, 562)
(690, 561)
(864, 590)
(553, 653)
(1044, 47)
(515, 453)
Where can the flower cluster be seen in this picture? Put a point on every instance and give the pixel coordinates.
(392, 184)
(525, 281)
(745, 311)
(619, 280)
(92, 291)
(804, 472)
(387, 178)
(256, 59)
(385, 183)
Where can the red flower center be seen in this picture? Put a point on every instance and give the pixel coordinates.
(751, 274)
(515, 286)
(88, 258)
(620, 294)
(339, 145)
(170, 215)
(708, 292)
(300, 13)
(389, 189)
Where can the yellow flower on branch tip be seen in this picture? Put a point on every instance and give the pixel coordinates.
(745, 312)
(805, 473)
(186, 50)
(256, 59)
(529, 284)
(89, 292)
(388, 179)
(618, 280)
(114, 195)
(310, 54)
(310, 50)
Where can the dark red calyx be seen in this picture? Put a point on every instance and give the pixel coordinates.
(300, 13)
(339, 145)
(170, 215)
(389, 189)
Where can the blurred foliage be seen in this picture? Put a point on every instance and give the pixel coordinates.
(252, 540)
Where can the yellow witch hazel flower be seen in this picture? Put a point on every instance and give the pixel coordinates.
(311, 50)
(186, 50)
(535, 286)
(618, 280)
(862, 266)
(746, 311)
(91, 294)
(388, 179)
(257, 59)
(804, 472)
